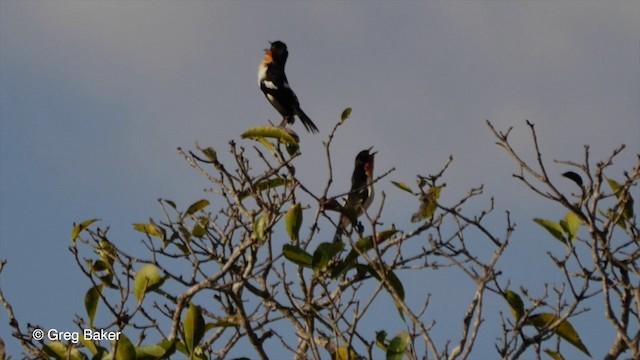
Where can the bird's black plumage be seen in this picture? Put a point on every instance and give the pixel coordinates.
(275, 86)
(361, 193)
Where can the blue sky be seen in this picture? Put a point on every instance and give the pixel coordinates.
(96, 96)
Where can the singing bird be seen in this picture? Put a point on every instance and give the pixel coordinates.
(274, 85)
(361, 193)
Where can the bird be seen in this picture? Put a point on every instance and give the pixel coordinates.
(275, 86)
(361, 194)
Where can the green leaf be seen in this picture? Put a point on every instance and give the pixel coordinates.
(293, 221)
(323, 255)
(367, 243)
(571, 224)
(91, 300)
(265, 143)
(428, 204)
(264, 185)
(553, 228)
(398, 346)
(618, 190)
(193, 328)
(227, 321)
(345, 115)
(126, 350)
(381, 340)
(554, 355)
(614, 185)
(516, 304)
(107, 252)
(89, 345)
(403, 186)
(345, 353)
(281, 134)
(259, 226)
(292, 149)
(58, 350)
(393, 283)
(565, 330)
(200, 228)
(297, 255)
(77, 229)
(209, 152)
(396, 284)
(163, 350)
(104, 273)
(147, 279)
(151, 230)
(342, 266)
(392, 279)
(150, 352)
(363, 245)
(197, 206)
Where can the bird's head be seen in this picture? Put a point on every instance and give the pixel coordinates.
(278, 51)
(365, 160)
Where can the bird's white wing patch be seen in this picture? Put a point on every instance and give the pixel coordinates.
(270, 85)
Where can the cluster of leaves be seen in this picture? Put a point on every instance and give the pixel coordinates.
(245, 269)
(596, 266)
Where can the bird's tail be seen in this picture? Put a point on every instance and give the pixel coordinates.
(338, 236)
(341, 229)
(308, 124)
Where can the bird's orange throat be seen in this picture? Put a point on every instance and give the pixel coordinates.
(268, 57)
(368, 168)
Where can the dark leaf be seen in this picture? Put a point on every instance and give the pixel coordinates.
(347, 211)
(324, 253)
(573, 177)
(91, 300)
(381, 340)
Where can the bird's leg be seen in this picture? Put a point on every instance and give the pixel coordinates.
(360, 228)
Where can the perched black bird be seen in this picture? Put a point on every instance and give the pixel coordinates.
(273, 83)
(361, 193)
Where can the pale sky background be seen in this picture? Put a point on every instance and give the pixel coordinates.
(96, 96)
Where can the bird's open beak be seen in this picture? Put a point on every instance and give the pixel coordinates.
(372, 153)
